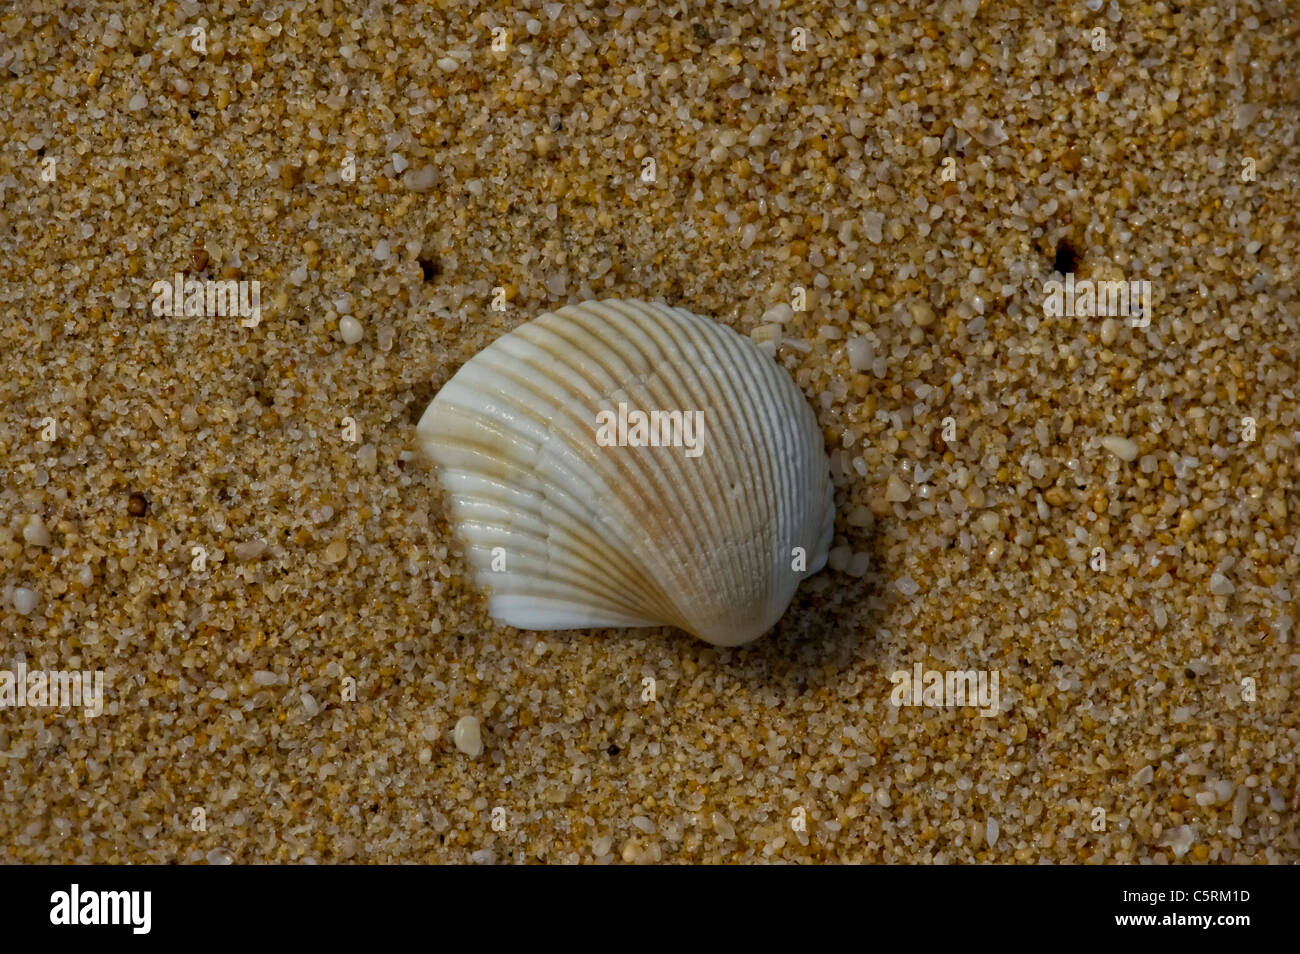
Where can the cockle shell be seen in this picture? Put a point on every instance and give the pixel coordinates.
(568, 531)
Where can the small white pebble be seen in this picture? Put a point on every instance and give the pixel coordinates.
(35, 532)
(861, 355)
(264, 677)
(249, 549)
(991, 831)
(310, 705)
(1180, 839)
(1240, 804)
(350, 330)
(1109, 331)
(872, 225)
(779, 313)
(467, 737)
(907, 586)
(1220, 585)
(723, 826)
(1121, 447)
(447, 64)
(138, 101)
(859, 565)
(421, 179)
(366, 458)
(896, 491)
(25, 599)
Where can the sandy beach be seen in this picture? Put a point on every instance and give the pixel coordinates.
(245, 244)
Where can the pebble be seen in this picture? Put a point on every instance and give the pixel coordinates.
(859, 565)
(922, 314)
(780, 314)
(896, 491)
(35, 532)
(467, 736)
(249, 550)
(1121, 447)
(1220, 585)
(872, 226)
(1240, 805)
(350, 330)
(1109, 331)
(25, 600)
(367, 458)
(861, 354)
(337, 551)
(421, 179)
(723, 826)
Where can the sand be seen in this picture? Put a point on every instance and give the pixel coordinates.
(227, 517)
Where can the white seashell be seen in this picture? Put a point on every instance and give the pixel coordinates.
(569, 532)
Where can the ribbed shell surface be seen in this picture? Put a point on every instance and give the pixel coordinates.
(587, 535)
